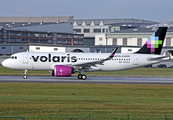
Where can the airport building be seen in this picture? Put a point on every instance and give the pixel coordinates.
(92, 27)
(8, 49)
(19, 34)
(128, 34)
(132, 37)
(39, 30)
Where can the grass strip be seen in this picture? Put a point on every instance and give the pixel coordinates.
(42, 99)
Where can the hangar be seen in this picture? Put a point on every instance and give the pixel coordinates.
(132, 37)
(92, 27)
(40, 30)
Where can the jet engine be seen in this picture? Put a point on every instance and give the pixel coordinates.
(62, 71)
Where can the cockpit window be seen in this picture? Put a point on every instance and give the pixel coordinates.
(12, 57)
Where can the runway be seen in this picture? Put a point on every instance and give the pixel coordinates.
(89, 80)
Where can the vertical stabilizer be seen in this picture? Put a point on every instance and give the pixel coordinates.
(155, 42)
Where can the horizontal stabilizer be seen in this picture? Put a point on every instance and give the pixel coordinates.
(158, 58)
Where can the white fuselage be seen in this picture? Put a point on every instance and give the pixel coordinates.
(47, 61)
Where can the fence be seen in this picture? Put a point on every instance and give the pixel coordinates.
(92, 117)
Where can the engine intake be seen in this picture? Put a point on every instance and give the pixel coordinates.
(62, 71)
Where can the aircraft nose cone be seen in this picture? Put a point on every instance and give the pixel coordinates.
(5, 63)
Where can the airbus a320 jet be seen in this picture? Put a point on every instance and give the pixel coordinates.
(64, 64)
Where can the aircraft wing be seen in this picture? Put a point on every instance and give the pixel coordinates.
(93, 63)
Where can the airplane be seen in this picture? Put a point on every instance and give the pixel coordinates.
(64, 64)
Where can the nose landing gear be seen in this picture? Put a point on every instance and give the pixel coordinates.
(25, 74)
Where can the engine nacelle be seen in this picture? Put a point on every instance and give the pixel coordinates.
(62, 71)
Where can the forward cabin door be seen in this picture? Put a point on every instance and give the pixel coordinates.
(25, 58)
(135, 60)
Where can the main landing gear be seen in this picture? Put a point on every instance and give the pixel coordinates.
(82, 76)
(25, 74)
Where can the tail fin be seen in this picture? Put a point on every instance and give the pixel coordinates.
(154, 43)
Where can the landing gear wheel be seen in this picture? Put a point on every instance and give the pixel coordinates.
(84, 77)
(24, 76)
(79, 76)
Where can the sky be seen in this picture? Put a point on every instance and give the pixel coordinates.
(155, 10)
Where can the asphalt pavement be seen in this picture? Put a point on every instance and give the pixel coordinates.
(90, 80)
